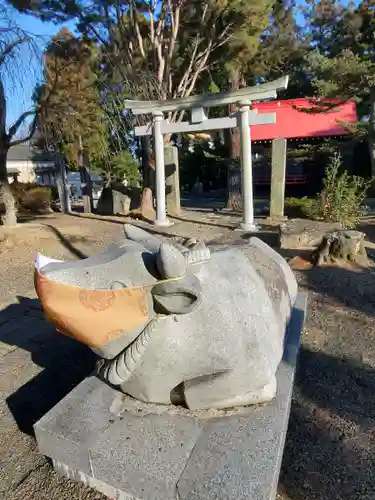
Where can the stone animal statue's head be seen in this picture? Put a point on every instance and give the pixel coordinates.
(105, 301)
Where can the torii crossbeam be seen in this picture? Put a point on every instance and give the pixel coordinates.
(199, 122)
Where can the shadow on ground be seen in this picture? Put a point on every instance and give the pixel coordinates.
(367, 226)
(161, 231)
(68, 242)
(202, 222)
(65, 363)
(353, 288)
(330, 446)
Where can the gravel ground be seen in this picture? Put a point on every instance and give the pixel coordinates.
(330, 446)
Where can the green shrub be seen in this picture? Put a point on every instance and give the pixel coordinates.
(342, 195)
(30, 197)
(19, 190)
(300, 208)
(36, 199)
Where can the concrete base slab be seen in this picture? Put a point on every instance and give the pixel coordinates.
(277, 218)
(130, 450)
(163, 223)
(247, 228)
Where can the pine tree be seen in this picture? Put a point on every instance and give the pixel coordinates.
(73, 121)
(344, 66)
(281, 51)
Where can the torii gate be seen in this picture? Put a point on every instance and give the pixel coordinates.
(199, 122)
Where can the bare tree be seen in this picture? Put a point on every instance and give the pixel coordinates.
(170, 42)
(17, 49)
(158, 49)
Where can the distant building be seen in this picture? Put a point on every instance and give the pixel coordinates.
(27, 164)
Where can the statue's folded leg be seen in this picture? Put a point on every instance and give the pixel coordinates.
(219, 391)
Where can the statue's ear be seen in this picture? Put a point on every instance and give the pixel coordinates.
(176, 297)
(149, 241)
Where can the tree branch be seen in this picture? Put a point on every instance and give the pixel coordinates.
(11, 46)
(175, 21)
(28, 136)
(133, 13)
(13, 129)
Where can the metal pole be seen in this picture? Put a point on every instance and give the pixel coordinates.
(161, 216)
(246, 168)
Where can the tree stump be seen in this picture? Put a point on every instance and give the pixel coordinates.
(341, 246)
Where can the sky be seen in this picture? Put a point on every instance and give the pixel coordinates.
(19, 91)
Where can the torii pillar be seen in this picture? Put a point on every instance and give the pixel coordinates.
(161, 214)
(246, 168)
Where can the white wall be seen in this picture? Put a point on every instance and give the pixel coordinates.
(28, 174)
(25, 168)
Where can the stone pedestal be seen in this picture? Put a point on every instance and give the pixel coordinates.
(278, 178)
(130, 450)
(172, 181)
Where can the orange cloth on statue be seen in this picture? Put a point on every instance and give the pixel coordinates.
(94, 317)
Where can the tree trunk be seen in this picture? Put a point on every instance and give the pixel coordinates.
(371, 145)
(234, 197)
(147, 164)
(234, 133)
(7, 203)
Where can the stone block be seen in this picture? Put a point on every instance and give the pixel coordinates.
(131, 450)
(239, 457)
(92, 482)
(144, 455)
(278, 178)
(70, 429)
(113, 202)
(172, 180)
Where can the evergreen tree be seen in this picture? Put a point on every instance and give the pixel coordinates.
(73, 121)
(343, 66)
(282, 48)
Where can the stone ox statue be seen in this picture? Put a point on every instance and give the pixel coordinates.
(173, 323)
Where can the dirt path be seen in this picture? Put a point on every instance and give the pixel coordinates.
(330, 447)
